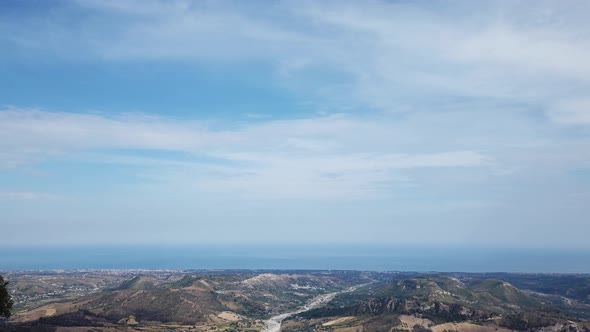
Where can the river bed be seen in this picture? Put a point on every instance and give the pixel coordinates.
(274, 323)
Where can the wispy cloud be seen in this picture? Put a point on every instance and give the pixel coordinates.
(394, 53)
(575, 112)
(302, 158)
(410, 108)
(326, 157)
(27, 195)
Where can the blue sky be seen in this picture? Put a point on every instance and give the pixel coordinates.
(382, 122)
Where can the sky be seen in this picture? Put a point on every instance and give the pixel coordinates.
(407, 123)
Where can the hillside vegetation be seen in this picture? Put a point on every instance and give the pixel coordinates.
(242, 300)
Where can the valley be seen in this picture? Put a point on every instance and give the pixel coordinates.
(297, 300)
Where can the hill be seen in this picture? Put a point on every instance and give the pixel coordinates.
(241, 300)
(432, 300)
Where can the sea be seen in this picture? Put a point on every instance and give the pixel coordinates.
(290, 257)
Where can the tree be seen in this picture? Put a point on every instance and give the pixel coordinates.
(5, 299)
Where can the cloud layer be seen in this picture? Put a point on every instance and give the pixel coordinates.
(323, 157)
(428, 121)
(394, 53)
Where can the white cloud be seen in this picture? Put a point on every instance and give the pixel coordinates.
(395, 54)
(25, 128)
(408, 53)
(475, 103)
(321, 157)
(344, 176)
(27, 195)
(575, 112)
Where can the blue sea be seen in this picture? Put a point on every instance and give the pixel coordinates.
(326, 257)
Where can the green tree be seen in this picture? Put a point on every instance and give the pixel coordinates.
(5, 299)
